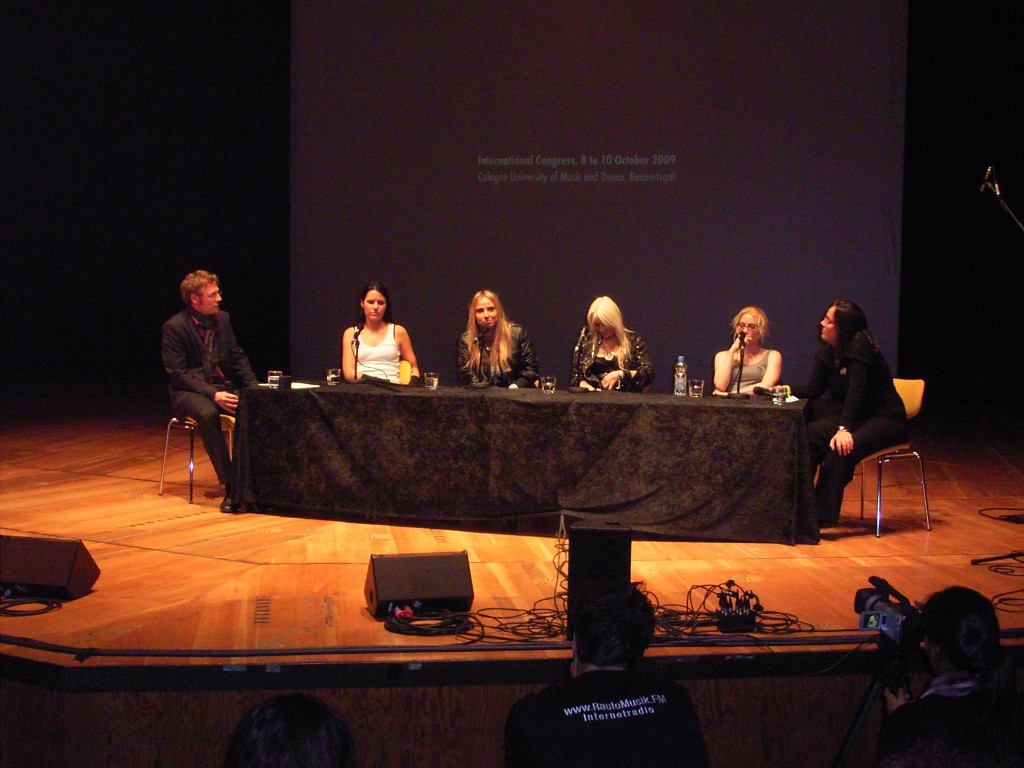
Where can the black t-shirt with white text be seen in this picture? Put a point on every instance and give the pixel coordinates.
(606, 718)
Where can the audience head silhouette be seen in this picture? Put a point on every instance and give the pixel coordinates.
(291, 731)
(612, 629)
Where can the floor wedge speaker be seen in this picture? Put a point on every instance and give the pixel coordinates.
(600, 555)
(59, 569)
(437, 581)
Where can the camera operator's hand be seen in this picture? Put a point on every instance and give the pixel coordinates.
(896, 699)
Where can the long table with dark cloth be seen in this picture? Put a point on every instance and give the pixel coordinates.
(687, 468)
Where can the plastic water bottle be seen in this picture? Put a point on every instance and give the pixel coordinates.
(679, 383)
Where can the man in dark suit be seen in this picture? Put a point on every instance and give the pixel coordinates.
(206, 368)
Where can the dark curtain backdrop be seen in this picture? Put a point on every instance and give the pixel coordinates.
(963, 263)
(780, 127)
(142, 141)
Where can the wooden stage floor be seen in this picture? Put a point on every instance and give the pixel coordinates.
(198, 615)
(185, 585)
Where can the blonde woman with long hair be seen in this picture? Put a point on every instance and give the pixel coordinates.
(608, 355)
(493, 350)
(759, 366)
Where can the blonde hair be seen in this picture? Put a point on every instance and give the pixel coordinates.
(762, 326)
(606, 312)
(501, 348)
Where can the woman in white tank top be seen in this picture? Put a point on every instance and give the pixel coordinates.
(375, 345)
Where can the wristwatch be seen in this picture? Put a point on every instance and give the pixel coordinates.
(841, 428)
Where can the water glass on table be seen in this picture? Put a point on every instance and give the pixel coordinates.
(696, 387)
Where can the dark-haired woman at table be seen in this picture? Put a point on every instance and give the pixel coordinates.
(863, 412)
(493, 350)
(375, 345)
(608, 355)
(760, 367)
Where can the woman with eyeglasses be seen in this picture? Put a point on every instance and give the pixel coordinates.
(862, 412)
(747, 359)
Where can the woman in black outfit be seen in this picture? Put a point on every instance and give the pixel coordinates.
(608, 355)
(862, 412)
(493, 350)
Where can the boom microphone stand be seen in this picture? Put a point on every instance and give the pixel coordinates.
(1008, 556)
(990, 182)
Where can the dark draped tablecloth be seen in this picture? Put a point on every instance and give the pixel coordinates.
(705, 469)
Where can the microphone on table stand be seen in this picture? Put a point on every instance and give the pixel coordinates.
(481, 342)
(737, 395)
(581, 337)
(355, 348)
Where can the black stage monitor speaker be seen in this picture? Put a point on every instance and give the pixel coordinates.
(600, 557)
(59, 569)
(437, 582)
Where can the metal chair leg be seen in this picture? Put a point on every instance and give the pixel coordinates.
(885, 459)
(163, 466)
(878, 500)
(863, 471)
(191, 459)
(190, 427)
(924, 492)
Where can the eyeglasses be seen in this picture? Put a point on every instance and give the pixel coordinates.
(747, 326)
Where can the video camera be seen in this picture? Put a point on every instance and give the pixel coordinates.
(877, 614)
(900, 622)
(899, 626)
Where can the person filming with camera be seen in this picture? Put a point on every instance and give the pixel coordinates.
(969, 714)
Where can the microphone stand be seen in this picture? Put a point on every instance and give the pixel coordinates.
(483, 347)
(737, 395)
(355, 349)
(577, 355)
(1008, 556)
(994, 186)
